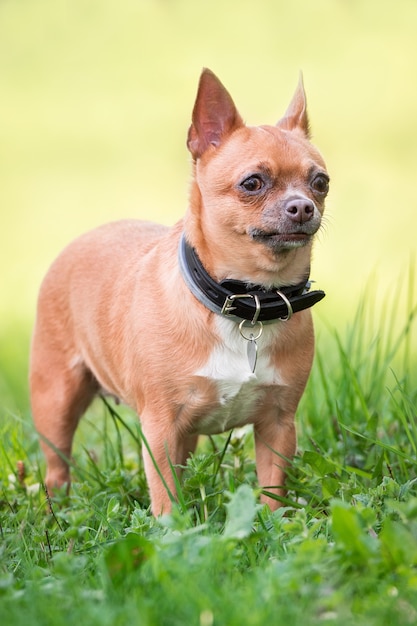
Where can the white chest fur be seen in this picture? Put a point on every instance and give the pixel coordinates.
(239, 390)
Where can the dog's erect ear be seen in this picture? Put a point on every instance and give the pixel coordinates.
(296, 114)
(214, 115)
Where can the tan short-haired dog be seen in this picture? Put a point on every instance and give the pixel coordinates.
(201, 327)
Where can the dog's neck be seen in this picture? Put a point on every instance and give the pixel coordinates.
(238, 300)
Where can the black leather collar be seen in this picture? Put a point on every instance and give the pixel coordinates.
(239, 300)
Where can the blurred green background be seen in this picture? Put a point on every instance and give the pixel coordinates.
(95, 103)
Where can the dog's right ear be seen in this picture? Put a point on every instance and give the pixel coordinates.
(214, 115)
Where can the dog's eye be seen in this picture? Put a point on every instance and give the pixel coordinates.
(252, 184)
(320, 184)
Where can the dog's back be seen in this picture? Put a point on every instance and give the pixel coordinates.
(77, 315)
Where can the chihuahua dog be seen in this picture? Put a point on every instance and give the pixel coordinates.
(201, 327)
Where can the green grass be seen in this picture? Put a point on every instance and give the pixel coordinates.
(342, 550)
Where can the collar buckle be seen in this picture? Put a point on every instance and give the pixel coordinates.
(228, 307)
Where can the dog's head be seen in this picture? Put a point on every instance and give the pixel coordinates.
(258, 192)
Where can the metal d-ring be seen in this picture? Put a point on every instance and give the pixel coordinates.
(257, 311)
(289, 307)
(251, 337)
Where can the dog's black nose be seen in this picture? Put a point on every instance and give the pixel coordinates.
(299, 210)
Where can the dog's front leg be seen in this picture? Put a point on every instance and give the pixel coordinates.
(275, 444)
(164, 450)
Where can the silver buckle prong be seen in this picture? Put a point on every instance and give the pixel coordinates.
(227, 307)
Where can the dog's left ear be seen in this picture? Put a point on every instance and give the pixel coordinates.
(214, 115)
(296, 114)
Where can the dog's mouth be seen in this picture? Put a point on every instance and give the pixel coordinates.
(276, 239)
